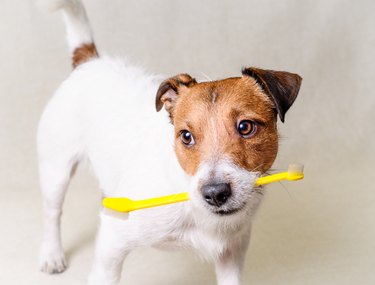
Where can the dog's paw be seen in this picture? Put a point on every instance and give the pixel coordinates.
(52, 262)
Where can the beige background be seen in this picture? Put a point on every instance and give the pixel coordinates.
(318, 231)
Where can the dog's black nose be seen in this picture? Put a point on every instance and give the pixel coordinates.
(216, 194)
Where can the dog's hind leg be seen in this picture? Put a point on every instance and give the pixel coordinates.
(59, 151)
(55, 174)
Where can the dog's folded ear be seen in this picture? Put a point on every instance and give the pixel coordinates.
(168, 91)
(281, 86)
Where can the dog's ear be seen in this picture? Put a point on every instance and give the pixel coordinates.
(281, 86)
(168, 91)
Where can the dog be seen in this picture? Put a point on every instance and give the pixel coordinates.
(213, 139)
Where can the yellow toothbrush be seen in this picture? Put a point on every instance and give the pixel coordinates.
(295, 172)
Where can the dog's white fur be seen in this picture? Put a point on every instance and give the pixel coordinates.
(104, 112)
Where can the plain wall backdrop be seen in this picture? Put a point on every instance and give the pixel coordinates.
(317, 231)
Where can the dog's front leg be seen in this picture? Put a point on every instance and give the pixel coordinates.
(229, 264)
(111, 250)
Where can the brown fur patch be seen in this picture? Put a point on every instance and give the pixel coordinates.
(211, 111)
(83, 54)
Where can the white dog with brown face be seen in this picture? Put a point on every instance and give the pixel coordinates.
(213, 141)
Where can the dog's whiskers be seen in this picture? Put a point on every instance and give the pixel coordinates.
(206, 76)
(257, 167)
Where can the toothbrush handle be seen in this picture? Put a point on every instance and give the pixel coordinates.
(159, 201)
(271, 178)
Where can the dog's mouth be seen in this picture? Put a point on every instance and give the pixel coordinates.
(228, 212)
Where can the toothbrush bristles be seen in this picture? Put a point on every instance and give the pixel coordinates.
(295, 168)
(115, 214)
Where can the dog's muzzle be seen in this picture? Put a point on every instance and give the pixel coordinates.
(222, 187)
(218, 196)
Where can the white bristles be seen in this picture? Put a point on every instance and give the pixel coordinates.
(295, 168)
(116, 214)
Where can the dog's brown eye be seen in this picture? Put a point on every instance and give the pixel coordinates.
(187, 138)
(246, 128)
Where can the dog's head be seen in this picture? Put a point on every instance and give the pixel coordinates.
(226, 131)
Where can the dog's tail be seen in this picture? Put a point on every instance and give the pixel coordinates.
(79, 35)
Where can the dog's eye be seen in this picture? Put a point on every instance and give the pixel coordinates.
(246, 128)
(187, 138)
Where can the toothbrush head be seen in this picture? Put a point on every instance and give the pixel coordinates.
(295, 172)
(118, 204)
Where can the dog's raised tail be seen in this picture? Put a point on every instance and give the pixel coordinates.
(79, 34)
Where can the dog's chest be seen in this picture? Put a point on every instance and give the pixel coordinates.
(206, 242)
